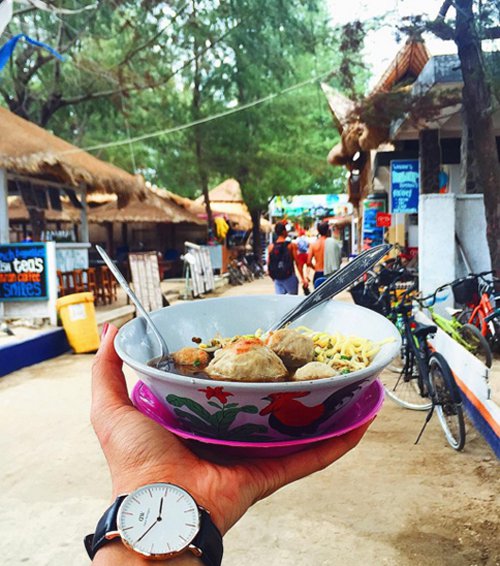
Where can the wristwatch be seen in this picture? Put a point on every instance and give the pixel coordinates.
(159, 521)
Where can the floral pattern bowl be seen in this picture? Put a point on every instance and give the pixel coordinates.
(359, 413)
(252, 412)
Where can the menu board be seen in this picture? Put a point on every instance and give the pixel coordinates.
(404, 186)
(23, 272)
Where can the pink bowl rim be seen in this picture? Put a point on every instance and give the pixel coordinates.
(272, 444)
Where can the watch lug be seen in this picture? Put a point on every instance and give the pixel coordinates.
(111, 535)
(195, 550)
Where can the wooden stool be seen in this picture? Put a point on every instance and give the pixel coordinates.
(60, 284)
(68, 282)
(91, 276)
(78, 283)
(104, 290)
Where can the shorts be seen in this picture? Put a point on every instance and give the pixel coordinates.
(289, 286)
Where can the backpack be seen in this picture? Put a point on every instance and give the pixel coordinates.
(280, 261)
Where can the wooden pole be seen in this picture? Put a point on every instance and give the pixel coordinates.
(4, 208)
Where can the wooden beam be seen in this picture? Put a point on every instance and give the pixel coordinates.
(4, 208)
(84, 233)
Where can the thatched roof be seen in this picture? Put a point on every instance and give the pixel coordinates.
(228, 191)
(27, 149)
(226, 200)
(19, 213)
(355, 134)
(406, 66)
(157, 207)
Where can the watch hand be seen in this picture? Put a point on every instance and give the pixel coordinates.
(159, 512)
(144, 534)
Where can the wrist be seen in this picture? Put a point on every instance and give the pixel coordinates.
(115, 553)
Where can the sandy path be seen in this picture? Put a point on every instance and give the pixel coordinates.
(388, 502)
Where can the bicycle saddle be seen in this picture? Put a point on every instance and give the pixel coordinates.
(423, 330)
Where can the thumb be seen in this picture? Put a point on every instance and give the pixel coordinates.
(109, 388)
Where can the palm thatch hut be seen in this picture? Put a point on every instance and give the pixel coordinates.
(161, 221)
(40, 167)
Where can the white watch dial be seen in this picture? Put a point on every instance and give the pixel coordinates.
(158, 519)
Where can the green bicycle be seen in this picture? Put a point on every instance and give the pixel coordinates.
(467, 335)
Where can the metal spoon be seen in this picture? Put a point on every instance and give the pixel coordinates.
(335, 283)
(133, 297)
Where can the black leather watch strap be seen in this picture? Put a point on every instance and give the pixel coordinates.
(106, 524)
(208, 540)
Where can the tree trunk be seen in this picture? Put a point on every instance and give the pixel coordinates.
(196, 106)
(478, 104)
(257, 241)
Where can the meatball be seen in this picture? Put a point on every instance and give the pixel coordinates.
(191, 357)
(314, 370)
(247, 359)
(293, 348)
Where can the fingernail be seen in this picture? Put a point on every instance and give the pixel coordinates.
(105, 327)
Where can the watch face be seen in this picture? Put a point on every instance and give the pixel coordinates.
(158, 519)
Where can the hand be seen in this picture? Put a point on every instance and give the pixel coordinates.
(140, 451)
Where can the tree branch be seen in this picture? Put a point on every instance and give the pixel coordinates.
(444, 9)
(490, 33)
(442, 30)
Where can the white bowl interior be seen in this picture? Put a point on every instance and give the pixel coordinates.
(229, 316)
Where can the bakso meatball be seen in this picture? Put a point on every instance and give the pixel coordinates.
(314, 370)
(293, 348)
(191, 357)
(246, 359)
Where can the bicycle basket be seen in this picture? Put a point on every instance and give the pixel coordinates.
(466, 291)
(369, 297)
(388, 276)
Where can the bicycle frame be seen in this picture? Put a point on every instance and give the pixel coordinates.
(481, 316)
(450, 326)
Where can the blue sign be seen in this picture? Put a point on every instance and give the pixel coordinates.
(23, 272)
(373, 235)
(405, 183)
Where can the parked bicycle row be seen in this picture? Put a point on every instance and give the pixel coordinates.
(421, 378)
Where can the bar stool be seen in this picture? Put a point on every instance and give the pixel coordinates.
(92, 281)
(78, 283)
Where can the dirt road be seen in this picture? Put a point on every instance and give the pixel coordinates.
(386, 503)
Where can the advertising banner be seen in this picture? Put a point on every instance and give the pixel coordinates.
(23, 272)
(405, 180)
(373, 235)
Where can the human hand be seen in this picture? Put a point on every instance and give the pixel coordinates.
(140, 451)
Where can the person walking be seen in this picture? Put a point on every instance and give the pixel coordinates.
(282, 259)
(302, 248)
(316, 254)
(333, 253)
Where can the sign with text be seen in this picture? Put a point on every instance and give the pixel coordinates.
(23, 272)
(405, 179)
(372, 234)
(383, 219)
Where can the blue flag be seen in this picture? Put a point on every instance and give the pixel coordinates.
(7, 49)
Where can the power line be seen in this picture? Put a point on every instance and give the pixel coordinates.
(205, 120)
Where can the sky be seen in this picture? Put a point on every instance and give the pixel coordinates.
(381, 46)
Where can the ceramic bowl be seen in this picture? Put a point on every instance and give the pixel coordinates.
(359, 413)
(252, 412)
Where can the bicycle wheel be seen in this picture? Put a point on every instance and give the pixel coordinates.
(406, 389)
(448, 402)
(478, 345)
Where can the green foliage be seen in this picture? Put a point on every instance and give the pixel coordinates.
(138, 66)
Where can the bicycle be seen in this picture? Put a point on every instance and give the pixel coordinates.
(467, 335)
(477, 293)
(426, 382)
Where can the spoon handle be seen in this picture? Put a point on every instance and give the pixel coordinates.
(335, 283)
(133, 297)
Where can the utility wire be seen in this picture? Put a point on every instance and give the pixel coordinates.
(205, 120)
